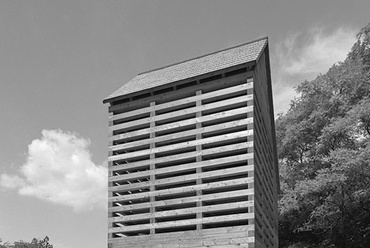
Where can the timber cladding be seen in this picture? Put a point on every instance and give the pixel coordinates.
(182, 164)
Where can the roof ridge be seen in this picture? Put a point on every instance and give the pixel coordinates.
(218, 60)
(198, 57)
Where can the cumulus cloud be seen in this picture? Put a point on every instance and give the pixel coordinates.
(59, 169)
(302, 56)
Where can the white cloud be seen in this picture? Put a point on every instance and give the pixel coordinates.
(302, 56)
(59, 169)
(11, 182)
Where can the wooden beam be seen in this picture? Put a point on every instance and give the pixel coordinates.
(194, 165)
(184, 200)
(199, 130)
(206, 220)
(198, 127)
(187, 100)
(182, 145)
(223, 114)
(183, 101)
(180, 179)
(187, 111)
(184, 189)
(233, 231)
(185, 211)
(204, 152)
(152, 166)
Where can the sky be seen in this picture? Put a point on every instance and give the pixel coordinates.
(60, 59)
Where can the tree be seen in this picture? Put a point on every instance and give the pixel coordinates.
(42, 243)
(324, 153)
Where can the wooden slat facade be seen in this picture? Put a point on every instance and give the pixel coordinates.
(265, 161)
(184, 166)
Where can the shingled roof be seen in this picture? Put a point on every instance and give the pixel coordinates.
(233, 56)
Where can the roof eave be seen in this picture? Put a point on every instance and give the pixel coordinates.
(114, 97)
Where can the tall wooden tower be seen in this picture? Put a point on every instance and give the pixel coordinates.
(192, 154)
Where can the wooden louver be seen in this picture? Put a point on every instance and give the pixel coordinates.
(192, 154)
(185, 163)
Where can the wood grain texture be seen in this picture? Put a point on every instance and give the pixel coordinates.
(192, 167)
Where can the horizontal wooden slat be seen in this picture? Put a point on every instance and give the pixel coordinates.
(191, 242)
(187, 166)
(177, 212)
(234, 245)
(182, 145)
(182, 189)
(206, 220)
(183, 123)
(222, 126)
(188, 240)
(179, 179)
(183, 112)
(159, 203)
(226, 242)
(233, 231)
(183, 101)
(176, 157)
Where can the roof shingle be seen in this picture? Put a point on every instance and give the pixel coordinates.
(237, 55)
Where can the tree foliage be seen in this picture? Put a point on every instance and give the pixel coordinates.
(35, 243)
(324, 153)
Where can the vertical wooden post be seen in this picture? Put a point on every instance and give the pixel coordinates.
(251, 150)
(152, 167)
(110, 194)
(199, 157)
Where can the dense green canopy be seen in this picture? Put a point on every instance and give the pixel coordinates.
(324, 157)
